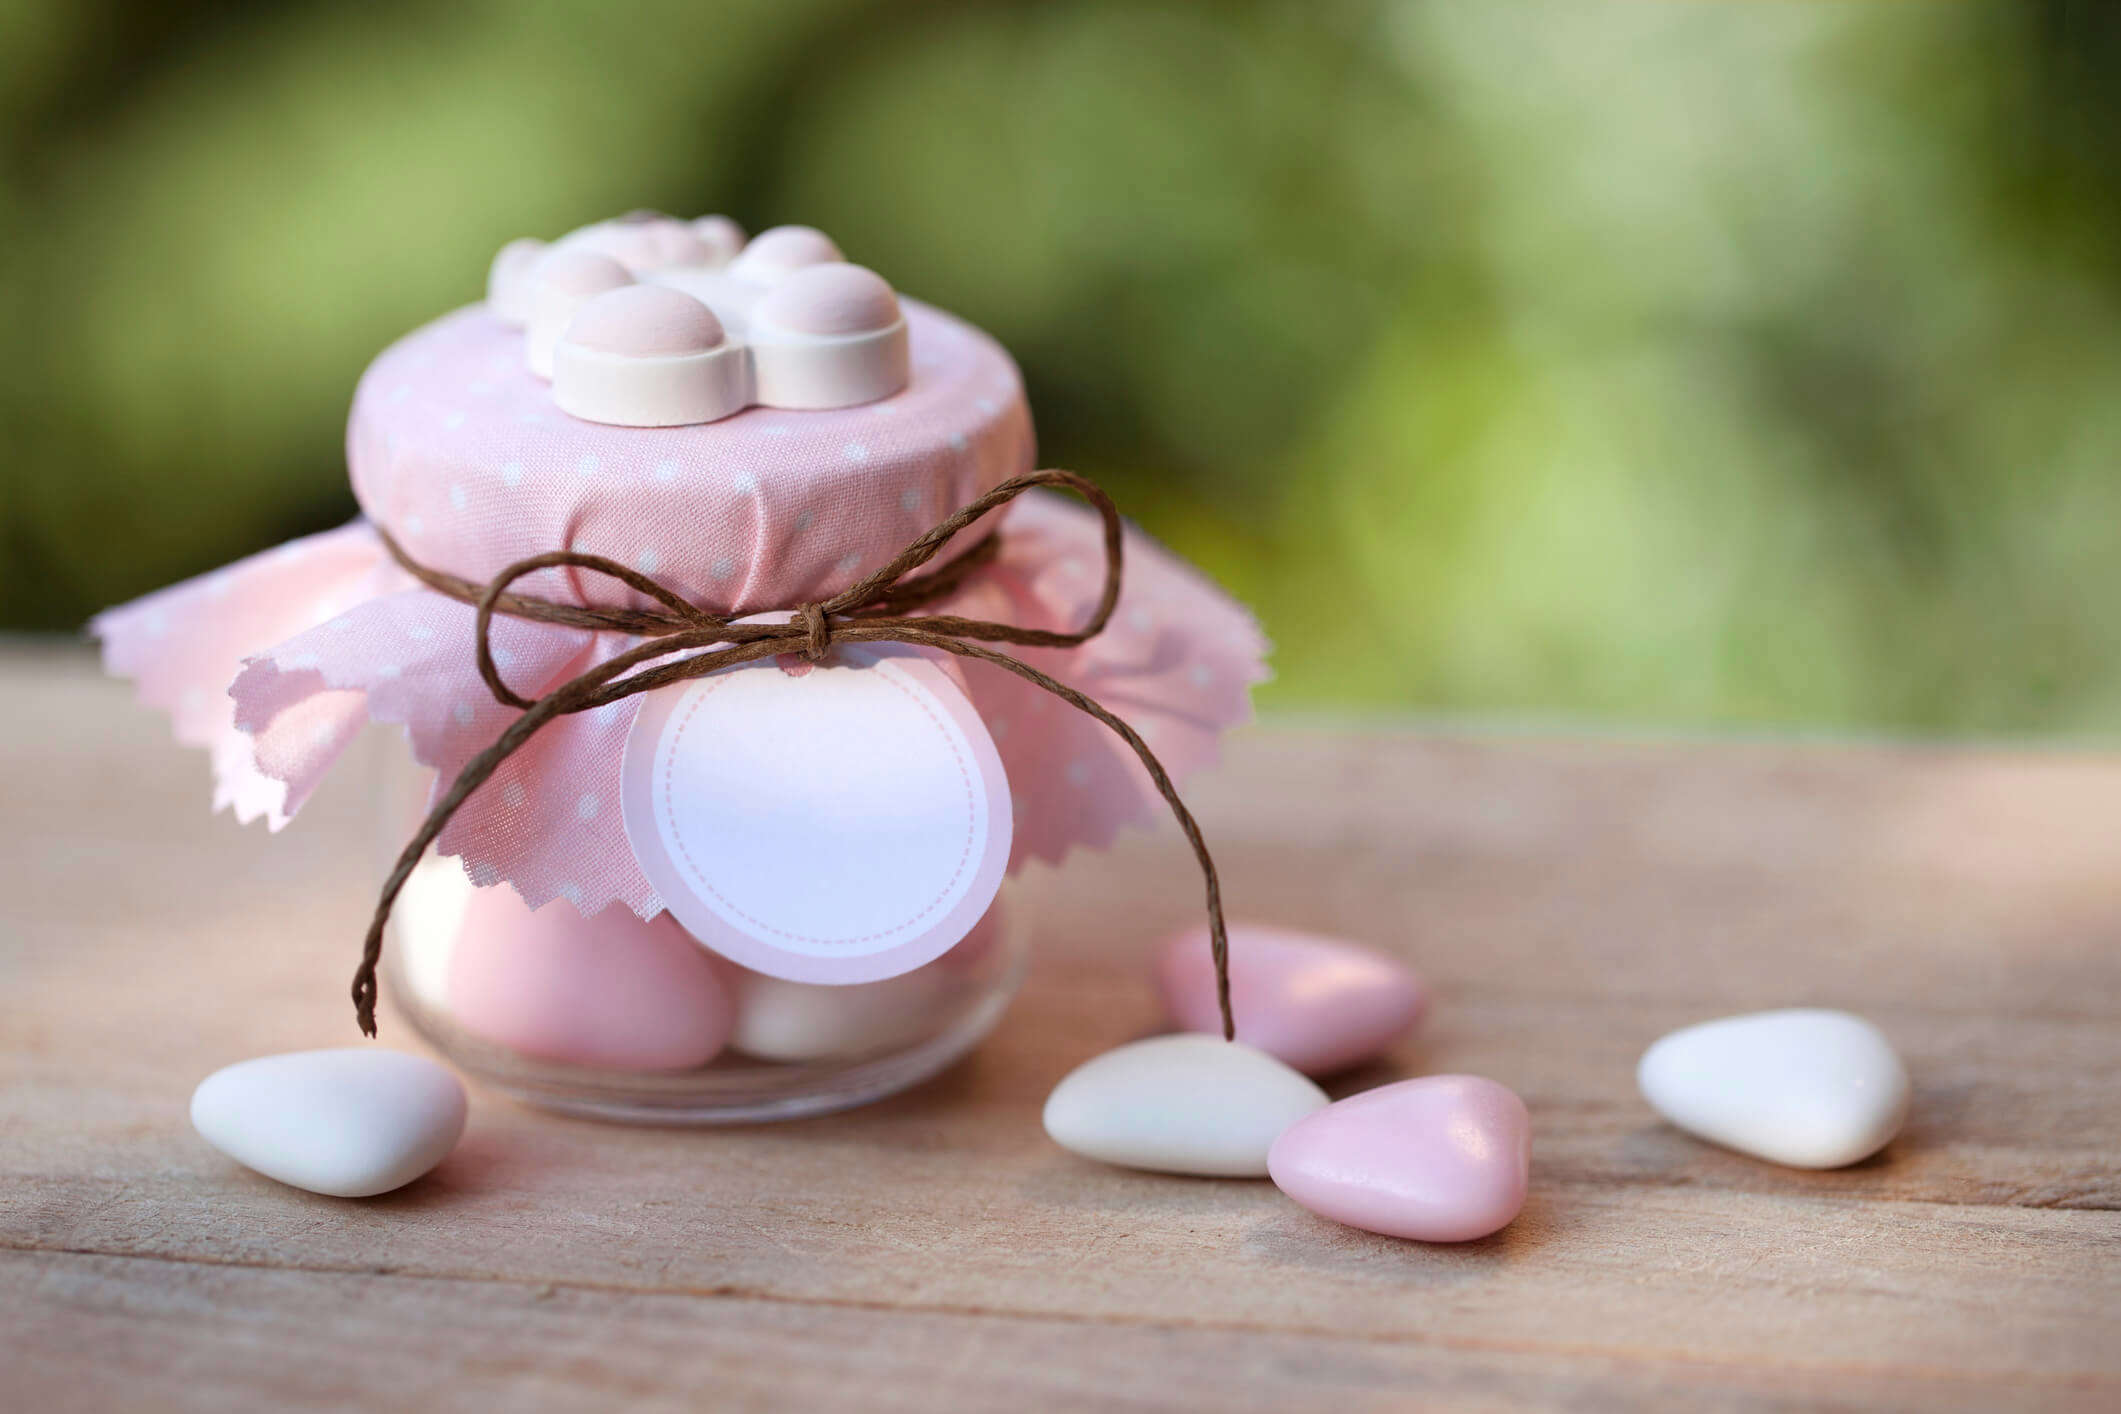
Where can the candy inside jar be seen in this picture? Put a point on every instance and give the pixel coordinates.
(620, 1017)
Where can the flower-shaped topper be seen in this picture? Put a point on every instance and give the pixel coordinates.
(648, 321)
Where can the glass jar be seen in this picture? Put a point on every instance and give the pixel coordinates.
(664, 1031)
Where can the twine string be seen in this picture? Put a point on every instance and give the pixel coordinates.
(683, 641)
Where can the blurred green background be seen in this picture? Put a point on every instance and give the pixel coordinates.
(1670, 363)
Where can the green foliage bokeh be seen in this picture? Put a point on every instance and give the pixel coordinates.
(1681, 363)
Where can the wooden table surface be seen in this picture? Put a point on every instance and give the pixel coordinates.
(1570, 900)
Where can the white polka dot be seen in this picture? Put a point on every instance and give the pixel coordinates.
(988, 406)
(744, 483)
(483, 875)
(464, 713)
(1201, 674)
(389, 670)
(513, 795)
(998, 728)
(855, 452)
(453, 421)
(400, 393)
(156, 623)
(572, 893)
(419, 633)
(849, 563)
(587, 807)
(909, 499)
(502, 658)
(804, 521)
(957, 441)
(1139, 620)
(457, 499)
(587, 466)
(531, 419)
(646, 561)
(666, 471)
(414, 525)
(1078, 773)
(322, 734)
(887, 409)
(193, 699)
(778, 429)
(722, 568)
(512, 473)
(479, 387)
(219, 585)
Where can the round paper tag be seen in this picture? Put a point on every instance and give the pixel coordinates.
(836, 823)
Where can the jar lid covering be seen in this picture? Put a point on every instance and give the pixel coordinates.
(459, 451)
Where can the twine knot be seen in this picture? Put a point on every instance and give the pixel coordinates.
(817, 631)
(684, 640)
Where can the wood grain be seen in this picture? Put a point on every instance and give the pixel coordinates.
(1570, 900)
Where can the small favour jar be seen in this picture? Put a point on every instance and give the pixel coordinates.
(621, 1017)
(740, 658)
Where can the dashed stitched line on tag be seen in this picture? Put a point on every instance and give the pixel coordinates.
(709, 684)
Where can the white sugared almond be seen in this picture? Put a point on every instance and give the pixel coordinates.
(424, 924)
(1806, 1087)
(779, 1020)
(1180, 1104)
(351, 1123)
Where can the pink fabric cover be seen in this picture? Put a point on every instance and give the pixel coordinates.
(274, 663)
(461, 454)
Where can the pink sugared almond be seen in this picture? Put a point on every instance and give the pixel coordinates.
(1445, 1158)
(612, 991)
(1316, 1003)
(832, 298)
(773, 254)
(644, 321)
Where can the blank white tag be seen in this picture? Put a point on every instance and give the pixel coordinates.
(836, 823)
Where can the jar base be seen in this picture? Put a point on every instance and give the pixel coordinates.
(728, 1091)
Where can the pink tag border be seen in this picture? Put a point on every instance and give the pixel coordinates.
(717, 934)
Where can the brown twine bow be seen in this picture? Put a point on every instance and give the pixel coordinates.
(868, 612)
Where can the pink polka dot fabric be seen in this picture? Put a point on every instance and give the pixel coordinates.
(273, 664)
(462, 455)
